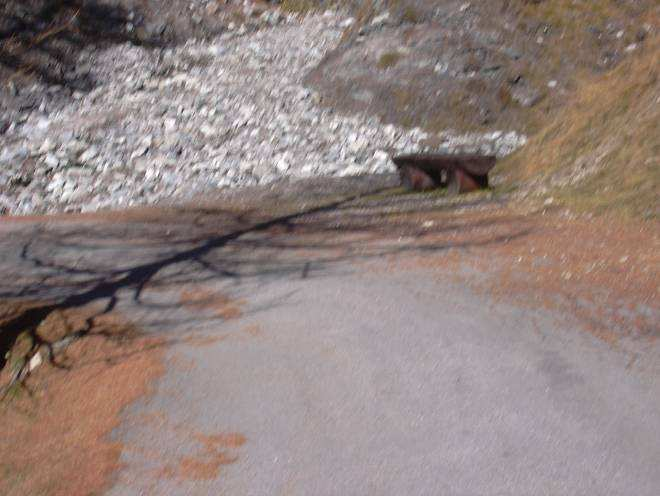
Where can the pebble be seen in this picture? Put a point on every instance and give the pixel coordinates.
(89, 154)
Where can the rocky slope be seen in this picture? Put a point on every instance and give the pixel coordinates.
(168, 123)
(135, 114)
(580, 77)
(477, 65)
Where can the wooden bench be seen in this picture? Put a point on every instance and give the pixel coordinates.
(459, 173)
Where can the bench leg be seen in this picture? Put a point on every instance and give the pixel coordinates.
(459, 181)
(415, 179)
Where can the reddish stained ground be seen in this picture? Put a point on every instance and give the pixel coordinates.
(201, 298)
(604, 271)
(214, 452)
(55, 430)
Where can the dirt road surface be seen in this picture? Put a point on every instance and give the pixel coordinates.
(342, 341)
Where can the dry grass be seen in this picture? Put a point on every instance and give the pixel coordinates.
(573, 47)
(571, 16)
(299, 6)
(605, 146)
(410, 15)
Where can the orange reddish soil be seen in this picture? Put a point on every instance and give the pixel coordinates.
(603, 270)
(201, 298)
(55, 429)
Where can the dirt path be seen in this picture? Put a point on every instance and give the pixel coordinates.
(347, 339)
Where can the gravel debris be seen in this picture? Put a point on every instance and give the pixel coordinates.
(167, 124)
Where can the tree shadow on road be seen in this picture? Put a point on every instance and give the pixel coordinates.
(75, 264)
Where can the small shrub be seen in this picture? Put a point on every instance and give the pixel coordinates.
(388, 59)
(410, 15)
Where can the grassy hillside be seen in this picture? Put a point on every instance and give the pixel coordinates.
(602, 152)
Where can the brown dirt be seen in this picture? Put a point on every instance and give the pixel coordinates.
(55, 429)
(215, 452)
(207, 454)
(221, 305)
(604, 271)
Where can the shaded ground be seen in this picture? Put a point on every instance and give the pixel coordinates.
(348, 296)
(44, 37)
(41, 42)
(54, 41)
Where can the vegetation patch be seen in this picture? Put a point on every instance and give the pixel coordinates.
(603, 152)
(299, 6)
(388, 60)
(411, 15)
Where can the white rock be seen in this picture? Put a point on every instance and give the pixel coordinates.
(227, 112)
(352, 170)
(51, 161)
(91, 153)
(347, 23)
(169, 124)
(381, 156)
(208, 131)
(282, 165)
(48, 146)
(35, 361)
(381, 20)
(217, 50)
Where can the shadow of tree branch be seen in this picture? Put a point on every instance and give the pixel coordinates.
(227, 245)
